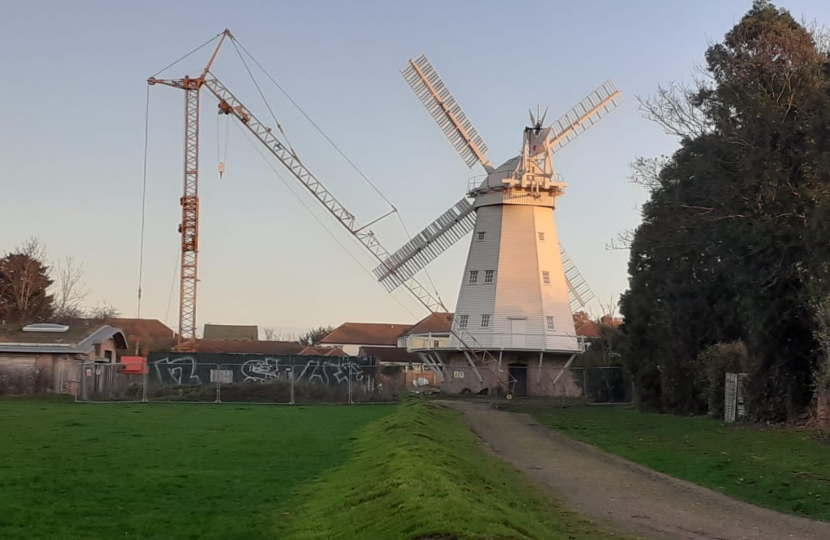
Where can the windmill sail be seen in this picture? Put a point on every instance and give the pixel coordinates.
(436, 238)
(585, 114)
(580, 292)
(436, 97)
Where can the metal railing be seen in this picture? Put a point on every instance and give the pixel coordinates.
(547, 342)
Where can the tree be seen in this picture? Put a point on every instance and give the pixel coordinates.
(315, 335)
(70, 291)
(580, 318)
(733, 241)
(270, 334)
(103, 311)
(24, 285)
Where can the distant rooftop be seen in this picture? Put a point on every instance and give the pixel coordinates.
(231, 331)
(352, 333)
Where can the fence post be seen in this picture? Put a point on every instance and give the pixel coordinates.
(144, 381)
(80, 381)
(291, 380)
(585, 382)
(83, 382)
(349, 371)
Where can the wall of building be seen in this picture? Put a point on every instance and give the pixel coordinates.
(38, 373)
(462, 378)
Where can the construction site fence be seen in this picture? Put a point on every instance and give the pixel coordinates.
(301, 381)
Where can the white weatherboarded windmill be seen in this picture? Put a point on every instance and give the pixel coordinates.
(519, 287)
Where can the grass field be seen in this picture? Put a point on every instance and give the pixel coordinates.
(109, 471)
(231, 472)
(786, 470)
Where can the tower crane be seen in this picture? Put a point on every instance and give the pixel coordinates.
(189, 227)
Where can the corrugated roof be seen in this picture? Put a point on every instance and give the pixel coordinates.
(435, 323)
(391, 355)
(231, 332)
(352, 333)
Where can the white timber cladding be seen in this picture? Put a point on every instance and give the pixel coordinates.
(519, 260)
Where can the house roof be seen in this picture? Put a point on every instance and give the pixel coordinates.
(353, 333)
(392, 355)
(323, 351)
(246, 346)
(145, 333)
(435, 323)
(80, 338)
(231, 332)
(592, 329)
(589, 329)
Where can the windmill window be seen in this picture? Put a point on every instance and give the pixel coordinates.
(485, 321)
(480, 236)
(473, 276)
(462, 321)
(541, 236)
(549, 323)
(546, 277)
(488, 276)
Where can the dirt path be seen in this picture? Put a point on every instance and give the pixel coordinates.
(629, 497)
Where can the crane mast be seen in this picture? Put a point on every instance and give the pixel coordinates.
(189, 226)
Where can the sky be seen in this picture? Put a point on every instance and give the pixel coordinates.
(75, 102)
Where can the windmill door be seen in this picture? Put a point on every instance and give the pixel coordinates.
(517, 333)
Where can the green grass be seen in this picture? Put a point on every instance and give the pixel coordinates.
(162, 471)
(420, 473)
(786, 470)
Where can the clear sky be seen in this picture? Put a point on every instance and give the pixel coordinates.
(72, 131)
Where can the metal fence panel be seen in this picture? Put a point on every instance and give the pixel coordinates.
(310, 380)
(109, 382)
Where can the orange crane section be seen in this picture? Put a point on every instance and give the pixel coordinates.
(189, 227)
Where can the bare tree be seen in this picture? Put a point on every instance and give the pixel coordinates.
(33, 249)
(270, 334)
(69, 289)
(820, 34)
(622, 241)
(674, 108)
(645, 172)
(104, 311)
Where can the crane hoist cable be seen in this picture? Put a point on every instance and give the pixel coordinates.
(222, 150)
(322, 224)
(325, 136)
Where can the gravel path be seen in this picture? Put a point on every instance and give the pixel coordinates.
(627, 496)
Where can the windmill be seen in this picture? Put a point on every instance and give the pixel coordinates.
(519, 287)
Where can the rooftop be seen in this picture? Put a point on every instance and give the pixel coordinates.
(80, 337)
(231, 331)
(353, 333)
(393, 355)
(247, 346)
(435, 323)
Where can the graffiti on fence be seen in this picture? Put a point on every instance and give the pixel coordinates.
(261, 370)
(186, 370)
(327, 372)
(177, 371)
